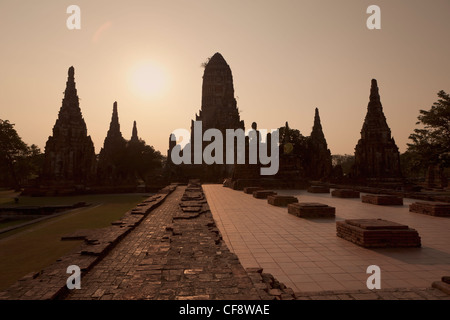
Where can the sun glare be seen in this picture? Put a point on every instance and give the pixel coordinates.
(148, 79)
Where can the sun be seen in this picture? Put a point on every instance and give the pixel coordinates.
(148, 79)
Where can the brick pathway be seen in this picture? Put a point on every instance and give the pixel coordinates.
(167, 258)
(169, 247)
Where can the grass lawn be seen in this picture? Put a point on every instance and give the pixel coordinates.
(7, 196)
(36, 246)
(12, 223)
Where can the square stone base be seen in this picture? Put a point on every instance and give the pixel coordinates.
(250, 190)
(263, 194)
(345, 193)
(311, 210)
(377, 233)
(439, 209)
(281, 201)
(382, 200)
(318, 189)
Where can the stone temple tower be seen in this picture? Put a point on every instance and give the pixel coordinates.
(111, 156)
(319, 162)
(218, 110)
(69, 153)
(376, 154)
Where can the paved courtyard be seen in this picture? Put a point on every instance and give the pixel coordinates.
(306, 254)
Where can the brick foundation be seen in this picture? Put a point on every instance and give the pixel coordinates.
(311, 210)
(438, 209)
(263, 194)
(377, 233)
(318, 189)
(281, 201)
(345, 193)
(382, 200)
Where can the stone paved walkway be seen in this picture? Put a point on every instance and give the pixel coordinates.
(169, 256)
(173, 250)
(306, 254)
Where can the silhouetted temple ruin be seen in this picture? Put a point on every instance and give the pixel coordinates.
(376, 155)
(112, 155)
(301, 158)
(219, 111)
(319, 156)
(70, 159)
(134, 134)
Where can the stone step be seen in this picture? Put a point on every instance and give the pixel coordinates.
(377, 233)
(263, 194)
(382, 200)
(345, 193)
(281, 201)
(311, 210)
(318, 189)
(438, 209)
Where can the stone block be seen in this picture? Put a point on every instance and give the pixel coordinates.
(439, 209)
(311, 210)
(250, 190)
(263, 194)
(281, 201)
(318, 189)
(345, 193)
(382, 200)
(377, 233)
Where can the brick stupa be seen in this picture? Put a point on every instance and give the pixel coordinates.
(320, 165)
(218, 110)
(69, 153)
(110, 166)
(376, 154)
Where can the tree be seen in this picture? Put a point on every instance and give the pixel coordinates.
(292, 141)
(141, 159)
(346, 162)
(12, 150)
(411, 165)
(431, 143)
(18, 162)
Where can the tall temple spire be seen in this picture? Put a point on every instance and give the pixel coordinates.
(114, 127)
(219, 106)
(376, 154)
(70, 84)
(317, 132)
(134, 135)
(70, 94)
(110, 158)
(70, 107)
(374, 105)
(375, 121)
(218, 111)
(319, 155)
(115, 116)
(114, 137)
(69, 152)
(374, 95)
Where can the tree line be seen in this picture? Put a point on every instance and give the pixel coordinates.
(429, 146)
(20, 163)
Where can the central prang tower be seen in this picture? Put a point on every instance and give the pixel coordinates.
(218, 110)
(219, 107)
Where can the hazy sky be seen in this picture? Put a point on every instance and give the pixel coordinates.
(287, 57)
